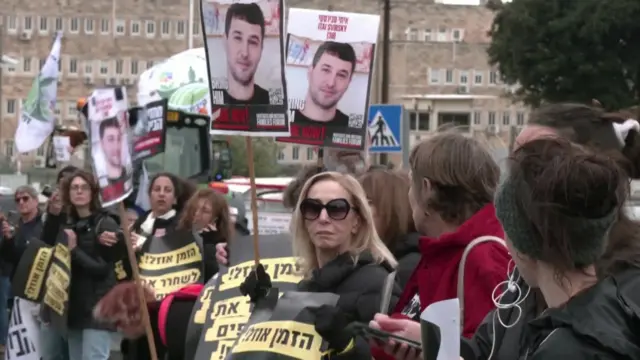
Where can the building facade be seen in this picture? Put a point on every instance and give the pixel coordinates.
(104, 42)
(438, 64)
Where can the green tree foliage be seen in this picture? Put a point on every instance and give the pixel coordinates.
(569, 50)
(265, 156)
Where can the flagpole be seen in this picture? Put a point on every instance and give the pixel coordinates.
(1, 78)
(190, 41)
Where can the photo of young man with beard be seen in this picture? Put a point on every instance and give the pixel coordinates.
(329, 78)
(244, 43)
(111, 140)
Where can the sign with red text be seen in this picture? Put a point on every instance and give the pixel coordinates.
(329, 65)
(149, 129)
(110, 147)
(244, 45)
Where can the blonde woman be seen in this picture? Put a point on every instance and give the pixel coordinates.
(335, 238)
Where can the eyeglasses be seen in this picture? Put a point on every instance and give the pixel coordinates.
(337, 209)
(80, 188)
(22, 199)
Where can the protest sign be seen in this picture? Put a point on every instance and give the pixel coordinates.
(328, 67)
(23, 338)
(110, 147)
(244, 46)
(30, 274)
(271, 222)
(61, 148)
(149, 132)
(221, 311)
(170, 262)
(289, 332)
(57, 282)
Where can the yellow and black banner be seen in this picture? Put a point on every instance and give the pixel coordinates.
(171, 262)
(221, 311)
(57, 282)
(29, 278)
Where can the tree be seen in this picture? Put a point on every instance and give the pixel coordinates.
(265, 156)
(559, 51)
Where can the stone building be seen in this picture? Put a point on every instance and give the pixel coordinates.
(439, 69)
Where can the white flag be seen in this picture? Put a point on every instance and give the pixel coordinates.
(37, 116)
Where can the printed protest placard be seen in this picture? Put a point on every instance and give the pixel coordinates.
(23, 338)
(149, 131)
(110, 146)
(244, 46)
(61, 148)
(328, 67)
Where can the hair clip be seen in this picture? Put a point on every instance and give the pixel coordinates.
(623, 130)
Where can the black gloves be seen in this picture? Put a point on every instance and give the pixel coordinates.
(257, 284)
(333, 325)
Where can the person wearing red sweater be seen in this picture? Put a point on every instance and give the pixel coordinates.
(453, 180)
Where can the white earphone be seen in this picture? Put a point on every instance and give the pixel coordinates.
(512, 286)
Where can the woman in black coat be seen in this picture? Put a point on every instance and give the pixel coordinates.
(92, 266)
(340, 252)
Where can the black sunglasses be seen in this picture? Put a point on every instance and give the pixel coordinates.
(337, 209)
(20, 199)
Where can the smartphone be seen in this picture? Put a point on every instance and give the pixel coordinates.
(382, 336)
(387, 290)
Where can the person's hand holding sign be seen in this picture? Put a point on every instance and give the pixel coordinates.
(108, 238)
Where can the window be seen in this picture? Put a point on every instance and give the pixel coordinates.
(457, 34)
(11, 107)
(88, 26)
(180, 28)
(41, 63)
(40, 151)
(44, 24)
(477, 118)
(165, 28)
(477, 78)
(309, 153)
(134, 67)
(492, 118)
(71, 109)
(135, 28)
(58, 24)
(73, 66)
(8, 147)
(442, 34)
(464, 77)
(493, 77)
(151, 28)
(88, 68)
(26, 65)
(58, 108)
(506, 118)
(105, 26)
(12, 23)
(448, 76)
(104, 68)
(28, 24)
(59, 66)
(411, 34)
(419, 120)
(196, 28)
(295, 153)
(426, 35)
(74, 25)
(434, 76)
(11, 68)
(149, 64)
(520, 118)
(119, 66)
(281, 155)
(120, 24)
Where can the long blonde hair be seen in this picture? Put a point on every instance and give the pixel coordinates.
(366, 239)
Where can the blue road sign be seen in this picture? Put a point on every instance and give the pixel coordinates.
(385, 128)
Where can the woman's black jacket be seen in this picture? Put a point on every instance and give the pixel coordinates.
(92, 269)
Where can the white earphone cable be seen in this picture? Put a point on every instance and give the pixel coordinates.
(512, 286)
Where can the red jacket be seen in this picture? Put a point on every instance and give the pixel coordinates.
(436, 276)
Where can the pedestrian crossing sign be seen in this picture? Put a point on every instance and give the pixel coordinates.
(385, 128)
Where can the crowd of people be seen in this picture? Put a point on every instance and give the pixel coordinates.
(556, 274)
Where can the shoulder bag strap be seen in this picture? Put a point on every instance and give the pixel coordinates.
(463, 261)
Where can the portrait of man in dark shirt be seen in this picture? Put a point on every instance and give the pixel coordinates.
(244, 42)
(111, 142)
(329, 78)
